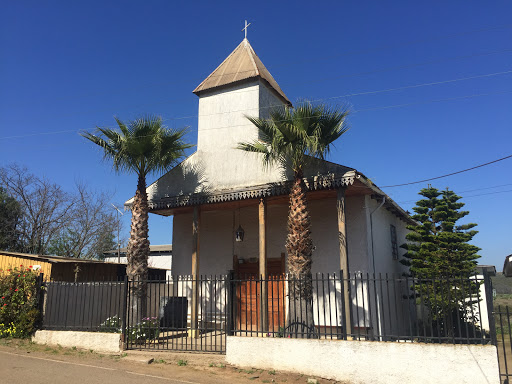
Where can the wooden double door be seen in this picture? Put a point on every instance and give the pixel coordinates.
(250, 293)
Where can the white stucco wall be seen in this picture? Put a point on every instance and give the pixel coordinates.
(217, 164)
(160, 261)
(217, 245)
(97, 341)
(365, 362)
(390, 293)
(382, 219)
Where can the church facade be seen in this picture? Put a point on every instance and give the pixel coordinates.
(219, 189)
(221, 195)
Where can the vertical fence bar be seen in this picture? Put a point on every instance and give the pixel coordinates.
(370, 331)
(124, 321)
(375, 300)
(490, 306)
(343, 303)
(336, 318)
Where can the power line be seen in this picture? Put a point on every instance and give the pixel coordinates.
(386, 106)
(242, 125)
(487, 75)
(412, 65)
(449, 174)
(383, 48)
(469, 190)
(433, 101)
(362, 94)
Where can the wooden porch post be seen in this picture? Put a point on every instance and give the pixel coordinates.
(194, 315)
(342, 235)
(262, 210)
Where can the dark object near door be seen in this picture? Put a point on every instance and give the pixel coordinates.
(173, 312)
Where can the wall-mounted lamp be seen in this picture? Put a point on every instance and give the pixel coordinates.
(239, 234)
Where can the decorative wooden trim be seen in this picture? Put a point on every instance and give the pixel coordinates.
(316, 183)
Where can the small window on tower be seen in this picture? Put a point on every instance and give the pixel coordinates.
(394, 245)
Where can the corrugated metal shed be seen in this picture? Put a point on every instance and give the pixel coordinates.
(241, 64)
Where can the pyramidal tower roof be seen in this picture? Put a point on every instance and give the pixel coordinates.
(241, 64)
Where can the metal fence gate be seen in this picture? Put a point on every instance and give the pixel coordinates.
(183, 313)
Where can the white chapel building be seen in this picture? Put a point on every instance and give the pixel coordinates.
(220, 189)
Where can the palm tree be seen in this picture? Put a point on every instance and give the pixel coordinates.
(142, 146)
(292, 138)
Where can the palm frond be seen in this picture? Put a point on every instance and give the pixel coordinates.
(143, 146)
(290, 136)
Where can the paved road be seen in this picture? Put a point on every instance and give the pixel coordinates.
(27, 368)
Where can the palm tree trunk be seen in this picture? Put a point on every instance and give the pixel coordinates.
(300, 248)
(138, 252)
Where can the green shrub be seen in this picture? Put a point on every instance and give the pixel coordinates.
(18, 302)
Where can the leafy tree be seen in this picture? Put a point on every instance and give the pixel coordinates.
(441, 259)
(10, 216)
(292, 138)
(142, 146)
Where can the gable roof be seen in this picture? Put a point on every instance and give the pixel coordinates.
(241, 64)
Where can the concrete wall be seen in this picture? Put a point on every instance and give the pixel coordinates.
(97, 341)
(155, 261)
(368, 362)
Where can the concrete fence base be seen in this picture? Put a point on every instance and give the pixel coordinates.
(368, 362)
(97, 341)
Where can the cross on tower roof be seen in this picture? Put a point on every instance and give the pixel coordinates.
(245, 28)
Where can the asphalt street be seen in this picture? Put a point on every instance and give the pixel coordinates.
(24, 368)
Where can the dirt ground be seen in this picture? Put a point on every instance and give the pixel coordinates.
(182, 367)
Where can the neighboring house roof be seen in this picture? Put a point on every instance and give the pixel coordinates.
(491, 269)
(242, 64)
(53, 259)
(154, 249)
(507, 266)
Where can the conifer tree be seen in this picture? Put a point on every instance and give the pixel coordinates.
(442, 261)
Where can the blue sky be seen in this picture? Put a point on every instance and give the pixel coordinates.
(70, 66)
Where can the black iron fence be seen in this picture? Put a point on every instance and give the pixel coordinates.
(184, 313)
(197, 313)
(90, 306)
(380, 307)
(502, 323)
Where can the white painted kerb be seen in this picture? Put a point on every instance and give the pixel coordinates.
(368, 362)
(97, 341)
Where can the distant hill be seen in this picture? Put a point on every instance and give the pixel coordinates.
(502, 284)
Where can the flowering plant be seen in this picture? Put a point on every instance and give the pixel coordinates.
(111, 325)
(147, 329)
(18, 301)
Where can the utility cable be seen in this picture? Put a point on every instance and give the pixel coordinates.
(487, 75)
(449, 174)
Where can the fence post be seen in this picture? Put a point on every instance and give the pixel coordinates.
(40, 295)
(490, 306)
(343, 304)
(124, 321)
(230, 304)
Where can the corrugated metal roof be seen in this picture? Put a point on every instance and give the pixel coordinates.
(51, 258)
(241, 64)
